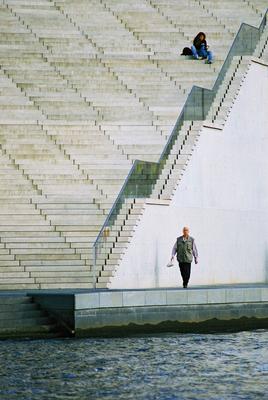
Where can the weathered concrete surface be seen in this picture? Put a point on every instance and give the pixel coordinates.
(59, 304)
(180, 319)
(120, 312)
(20, 317)
(198, 309)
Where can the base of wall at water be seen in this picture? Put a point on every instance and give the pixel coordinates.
(123, 312)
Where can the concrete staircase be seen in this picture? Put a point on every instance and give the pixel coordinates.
(20, 317)
(176, 163)
(81, 98)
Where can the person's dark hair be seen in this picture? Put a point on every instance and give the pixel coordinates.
(201, 34)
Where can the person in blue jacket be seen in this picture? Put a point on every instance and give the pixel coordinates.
(200, 48)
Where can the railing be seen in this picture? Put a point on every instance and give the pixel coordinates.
(143, 175)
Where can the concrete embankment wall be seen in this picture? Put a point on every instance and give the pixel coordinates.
(222, 197)
(176, 310)
(121, 312)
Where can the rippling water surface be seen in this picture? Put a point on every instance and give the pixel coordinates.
(170, 366)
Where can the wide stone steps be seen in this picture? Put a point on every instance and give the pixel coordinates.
(72, 77)
(163, 77)
(79, 102)
(43, 247)
(49, 186)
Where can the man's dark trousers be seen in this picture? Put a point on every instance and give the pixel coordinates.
(185, 269)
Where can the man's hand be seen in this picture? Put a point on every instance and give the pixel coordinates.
(196, 261)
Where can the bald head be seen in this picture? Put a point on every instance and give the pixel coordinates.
(186, 231)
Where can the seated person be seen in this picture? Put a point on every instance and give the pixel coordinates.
(200, 48)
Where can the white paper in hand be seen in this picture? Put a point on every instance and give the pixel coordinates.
(170, 264)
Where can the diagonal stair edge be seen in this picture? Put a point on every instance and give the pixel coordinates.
(141, 168)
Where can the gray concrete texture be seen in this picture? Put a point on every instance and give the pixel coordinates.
(169, 297)
(194, 318)
(122, 312)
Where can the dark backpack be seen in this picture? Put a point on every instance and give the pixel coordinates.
(186, 52)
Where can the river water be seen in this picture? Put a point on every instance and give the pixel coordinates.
(164, 367)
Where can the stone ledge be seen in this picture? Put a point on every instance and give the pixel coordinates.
(166, 297)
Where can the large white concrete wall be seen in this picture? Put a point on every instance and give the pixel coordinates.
(223, 198)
